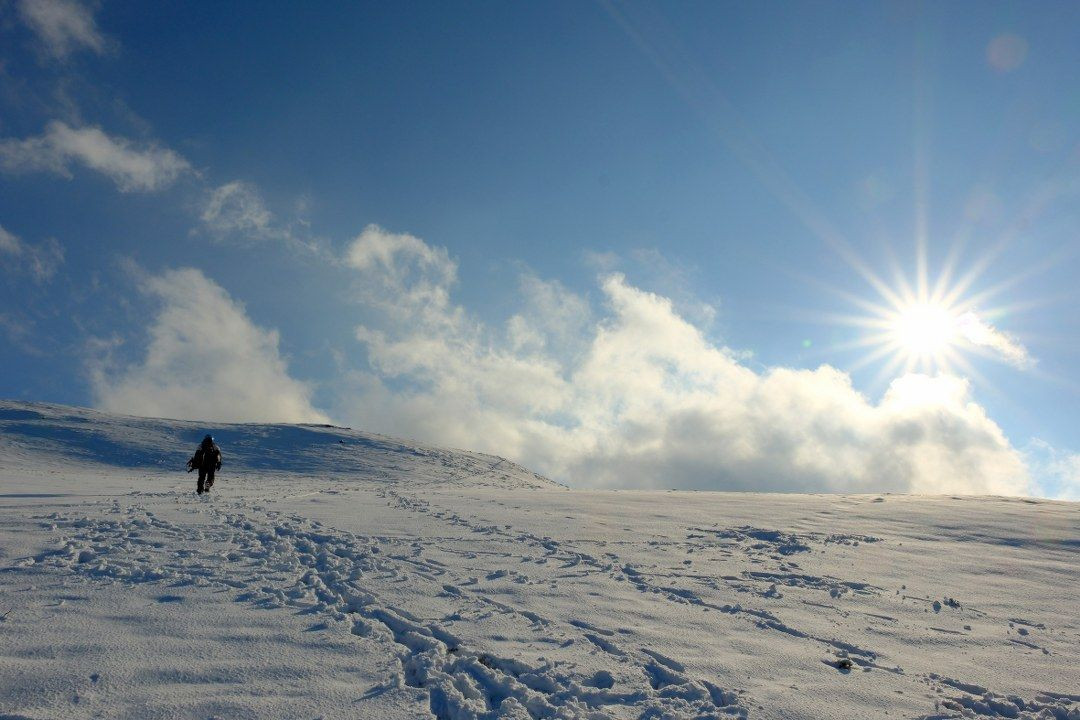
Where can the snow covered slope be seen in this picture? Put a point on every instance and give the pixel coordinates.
(342, 575)
(40, 435)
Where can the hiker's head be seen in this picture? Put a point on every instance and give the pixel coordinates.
(208, 441)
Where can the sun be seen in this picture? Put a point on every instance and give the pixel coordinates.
(919, 326)
(926, 327)
(919, 331)
(924, 330)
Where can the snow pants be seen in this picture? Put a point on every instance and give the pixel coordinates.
(206, 479)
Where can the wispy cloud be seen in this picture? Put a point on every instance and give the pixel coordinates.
(404, 273)
(1001, 345)
(236, 207)
(640, 397)
(39, 261)
(63, 26)
(236, 212)
(1056, 472)
(134, 168)
(205, 360)
(20, 334)
(662, 275)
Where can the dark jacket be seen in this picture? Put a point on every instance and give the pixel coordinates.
(207, 457)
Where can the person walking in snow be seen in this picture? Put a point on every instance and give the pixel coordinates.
(207, 460)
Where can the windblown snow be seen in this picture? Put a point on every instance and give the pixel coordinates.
(338, 574)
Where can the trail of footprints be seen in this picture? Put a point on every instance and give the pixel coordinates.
(279, 561)
(958, 699)
(965, 700)
(764, 541)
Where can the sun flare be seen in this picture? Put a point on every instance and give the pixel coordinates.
(928, 327)
(924, 330)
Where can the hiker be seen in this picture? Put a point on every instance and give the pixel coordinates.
(207, 460)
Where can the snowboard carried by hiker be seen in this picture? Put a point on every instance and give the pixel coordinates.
(207, 460)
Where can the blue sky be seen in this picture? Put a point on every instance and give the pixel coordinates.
(628, 244)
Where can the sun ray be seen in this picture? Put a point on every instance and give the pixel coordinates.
(1019, 306)
(969, 370)
(859, 343)
(874, 356)
(863, 321)
(933, 322)
(964, 283)
(948, 267)
(888, 371)
(867, 305)
(921, 142)
(882, 288)
(927, 329)
(1050, 261)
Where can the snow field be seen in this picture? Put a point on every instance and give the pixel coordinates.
(430, 583)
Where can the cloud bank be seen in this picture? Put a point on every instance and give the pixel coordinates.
(206, 360)
(132, 168)
(638, 396)
(622, 393)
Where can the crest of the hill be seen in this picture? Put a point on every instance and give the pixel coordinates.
(42, 435)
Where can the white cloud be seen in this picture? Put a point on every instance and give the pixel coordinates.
(63, 26)
(236, 207)
(396, 256)
(236, 212)
(552, 320)
(40, 261)
(640, 397)
(662, 275)
(9, 244)
(132, 168)
(402, 273)
(1001, 345)
(206, 360)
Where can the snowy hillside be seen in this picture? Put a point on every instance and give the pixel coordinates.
(38, 435)
(338, 574)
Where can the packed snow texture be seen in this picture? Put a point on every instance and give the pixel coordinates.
(338, 574)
